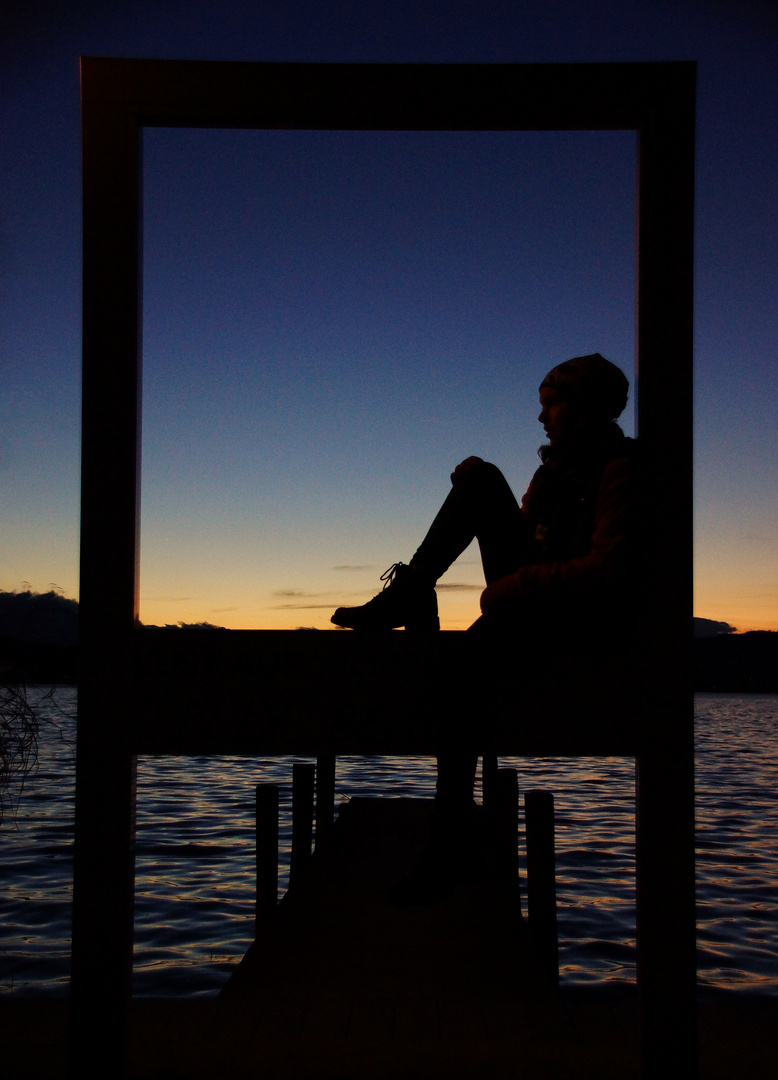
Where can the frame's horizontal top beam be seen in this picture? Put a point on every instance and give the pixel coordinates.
(388, 96)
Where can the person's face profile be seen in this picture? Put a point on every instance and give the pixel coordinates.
(558, 415)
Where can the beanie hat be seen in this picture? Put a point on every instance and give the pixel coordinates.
(593, 381)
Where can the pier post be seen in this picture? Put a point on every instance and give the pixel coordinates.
(325, 799)
(489, 779)
(303, 780)
(267, 856)
(506, 827)
(541, 882)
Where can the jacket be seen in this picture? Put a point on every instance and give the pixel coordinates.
(582, 526)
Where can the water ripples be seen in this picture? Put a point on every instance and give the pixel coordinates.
(194, 903)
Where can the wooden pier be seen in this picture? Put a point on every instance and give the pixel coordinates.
(342, 985)
(344, 978)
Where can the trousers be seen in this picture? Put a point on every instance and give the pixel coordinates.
(480, 506)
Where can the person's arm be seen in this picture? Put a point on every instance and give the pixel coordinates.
(608, 561)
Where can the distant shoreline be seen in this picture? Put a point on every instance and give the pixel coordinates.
(737, 663)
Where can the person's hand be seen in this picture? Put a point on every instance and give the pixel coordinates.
(499, 593)
(464, 467)
(488, 597)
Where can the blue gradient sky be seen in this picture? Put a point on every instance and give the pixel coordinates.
(333, 320)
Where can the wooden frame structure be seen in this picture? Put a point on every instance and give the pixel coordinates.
(140, 692)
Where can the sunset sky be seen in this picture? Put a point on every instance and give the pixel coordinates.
(333, 320)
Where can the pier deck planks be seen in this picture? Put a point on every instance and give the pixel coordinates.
(348, 976)
(584, 1035)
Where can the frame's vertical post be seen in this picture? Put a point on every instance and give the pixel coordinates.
(665, 768)
(103, 872)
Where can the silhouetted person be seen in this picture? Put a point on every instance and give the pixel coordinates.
(556, 566)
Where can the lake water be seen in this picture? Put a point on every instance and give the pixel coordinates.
(195, 856)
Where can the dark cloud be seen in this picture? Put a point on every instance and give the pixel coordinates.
(355, 566)
(300, 607)
(459, 586)
(299, 600)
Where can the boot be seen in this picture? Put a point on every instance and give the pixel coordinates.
(407, 600)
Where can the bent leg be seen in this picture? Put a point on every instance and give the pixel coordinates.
(479, 506)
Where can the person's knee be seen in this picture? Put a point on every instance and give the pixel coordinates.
(474, 471)
(491, 474)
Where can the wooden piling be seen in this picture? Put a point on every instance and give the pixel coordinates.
(488, 779)
(303, 781)
(325, 799)
(541, 882)
(506, 826)
(267, 856)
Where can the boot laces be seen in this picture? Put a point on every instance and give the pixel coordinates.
(388, 576)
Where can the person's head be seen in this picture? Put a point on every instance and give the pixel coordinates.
(581, 397)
